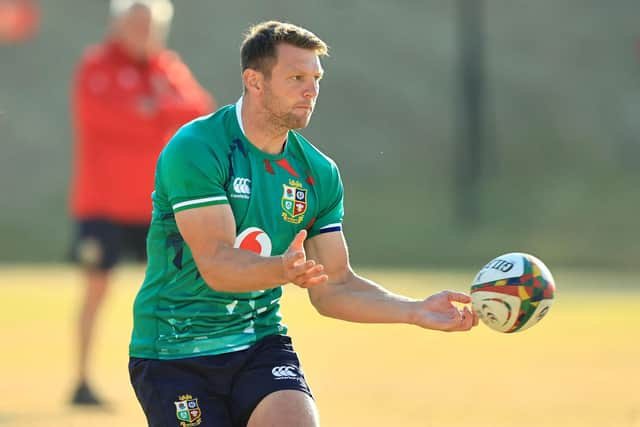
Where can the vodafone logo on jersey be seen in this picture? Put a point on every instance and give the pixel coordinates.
(255, 240)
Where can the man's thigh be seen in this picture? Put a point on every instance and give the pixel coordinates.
(285, 408)
(175, 394)
(271, 386)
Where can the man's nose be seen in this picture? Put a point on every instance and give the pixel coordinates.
(312, 89)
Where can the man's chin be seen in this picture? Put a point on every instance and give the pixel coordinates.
(298, 122)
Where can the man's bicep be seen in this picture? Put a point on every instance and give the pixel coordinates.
(205, 229)
(330, 250)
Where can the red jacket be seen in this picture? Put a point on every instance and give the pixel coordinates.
(123, 114)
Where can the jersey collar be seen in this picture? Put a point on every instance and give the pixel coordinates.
(252, 147)
(239, 115)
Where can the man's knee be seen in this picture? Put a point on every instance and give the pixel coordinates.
(285, 408)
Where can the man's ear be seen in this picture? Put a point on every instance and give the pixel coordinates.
(253, 80)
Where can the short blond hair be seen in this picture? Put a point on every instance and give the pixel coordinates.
(258, 50)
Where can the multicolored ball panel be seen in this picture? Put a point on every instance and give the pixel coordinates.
(519, 296)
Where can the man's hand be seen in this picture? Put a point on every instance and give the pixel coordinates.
(297, 269)
(439, 313)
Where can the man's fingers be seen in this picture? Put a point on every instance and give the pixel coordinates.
(318, 280)
(303, 272)
(466, 320)
(314, 281)
(473, 315)
(308, 273)
(297, 244)
(301, 267)
(297, 260)
(311, 277)
(461, 320)
(458, 297)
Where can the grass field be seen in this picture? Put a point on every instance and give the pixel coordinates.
(578, 368)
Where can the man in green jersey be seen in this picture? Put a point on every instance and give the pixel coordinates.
(242, 205)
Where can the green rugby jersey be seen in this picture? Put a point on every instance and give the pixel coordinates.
(209, 161)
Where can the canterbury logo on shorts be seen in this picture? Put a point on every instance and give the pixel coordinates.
(284, 372)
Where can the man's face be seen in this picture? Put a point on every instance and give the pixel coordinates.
(139, 33)
(291, 91)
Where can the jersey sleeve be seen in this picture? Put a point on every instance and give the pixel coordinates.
(331, 211)
(192, 174)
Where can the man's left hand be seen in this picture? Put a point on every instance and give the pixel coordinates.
(439, 313)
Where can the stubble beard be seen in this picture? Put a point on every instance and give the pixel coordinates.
(281, 119)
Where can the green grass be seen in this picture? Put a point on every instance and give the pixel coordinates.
(577, 368)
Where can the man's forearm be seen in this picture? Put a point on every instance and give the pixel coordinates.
(360, 300)
(237, 270)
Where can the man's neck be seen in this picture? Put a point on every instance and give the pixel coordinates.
(259, 129)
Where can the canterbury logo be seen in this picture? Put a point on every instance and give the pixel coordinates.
(284, 372)
(242, 185)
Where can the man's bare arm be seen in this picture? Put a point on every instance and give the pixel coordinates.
(348, 296)
(210, 234)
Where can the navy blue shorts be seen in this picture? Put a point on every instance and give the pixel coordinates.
(100, 243)
(221, 390)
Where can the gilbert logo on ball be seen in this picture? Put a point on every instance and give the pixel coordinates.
(512, 292)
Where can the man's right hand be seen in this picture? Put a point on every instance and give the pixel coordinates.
(210, 232)
(297, 269)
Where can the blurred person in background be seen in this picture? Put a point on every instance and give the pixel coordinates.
(19, 20)
(130, 94)
(242, 205)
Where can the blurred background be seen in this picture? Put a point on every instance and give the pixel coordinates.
(462, 129)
